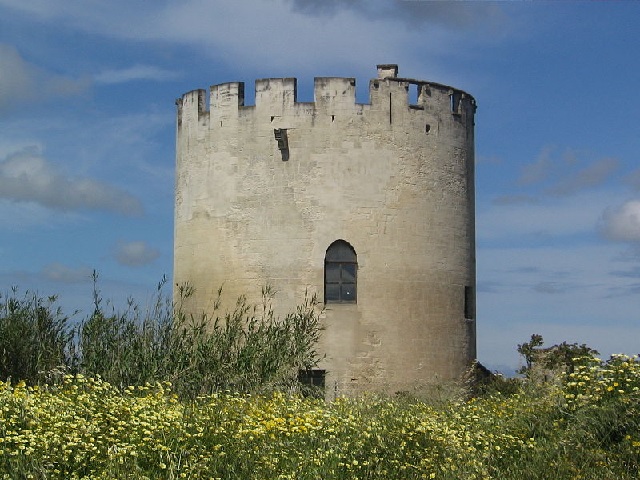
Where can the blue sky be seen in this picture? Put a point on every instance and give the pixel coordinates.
(87, 116)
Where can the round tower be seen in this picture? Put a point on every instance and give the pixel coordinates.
(370, 206)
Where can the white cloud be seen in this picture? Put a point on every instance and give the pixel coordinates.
(137, 72)
(550, 287)
(564, 174)
(591, 176)
(135, 254)
(348, 42)
(515, 200)
(528, 268)
(38, 8)
(17, 77)
(25, 176)
(573, 284)
(410, 12)
(26, 215)
(21, 81)
(622, 223)
(58, 272)
(84, 14)
(107, 145)
(525, 216)
(266, 41)
(539, 170)
(93, 15)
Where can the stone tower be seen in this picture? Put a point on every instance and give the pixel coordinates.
(371, 206)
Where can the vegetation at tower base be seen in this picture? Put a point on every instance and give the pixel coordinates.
(34, 337)
(583, 422)
(587, 427)
(247, 349)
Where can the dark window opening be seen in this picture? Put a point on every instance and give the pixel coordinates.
(312, 382)
(469, 303)
(281, 137)
(454, 99)
(340, 273)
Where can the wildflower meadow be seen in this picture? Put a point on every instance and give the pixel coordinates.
(583, 422)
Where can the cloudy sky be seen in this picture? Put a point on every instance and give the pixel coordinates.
(87, 114)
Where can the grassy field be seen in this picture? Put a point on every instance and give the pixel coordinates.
(586, 425)
(68, 413)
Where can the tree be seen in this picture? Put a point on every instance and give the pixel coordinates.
(564, 356)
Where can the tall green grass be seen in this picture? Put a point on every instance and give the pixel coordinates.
(247, 349)
(35, 337)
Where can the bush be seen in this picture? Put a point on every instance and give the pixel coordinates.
(35, 338)
(245, 350)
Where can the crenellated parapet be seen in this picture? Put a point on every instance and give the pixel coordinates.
(333, 96)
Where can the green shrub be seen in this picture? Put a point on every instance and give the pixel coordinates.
(246, 350)
(35, 338)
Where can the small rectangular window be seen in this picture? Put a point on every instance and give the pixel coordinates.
(454, 101)
(313, 382)
(469, 303)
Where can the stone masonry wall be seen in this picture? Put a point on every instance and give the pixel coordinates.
(393, 179)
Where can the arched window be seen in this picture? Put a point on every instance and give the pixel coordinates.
(340, 273)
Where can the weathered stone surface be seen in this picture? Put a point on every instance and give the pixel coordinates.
(394, 180)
